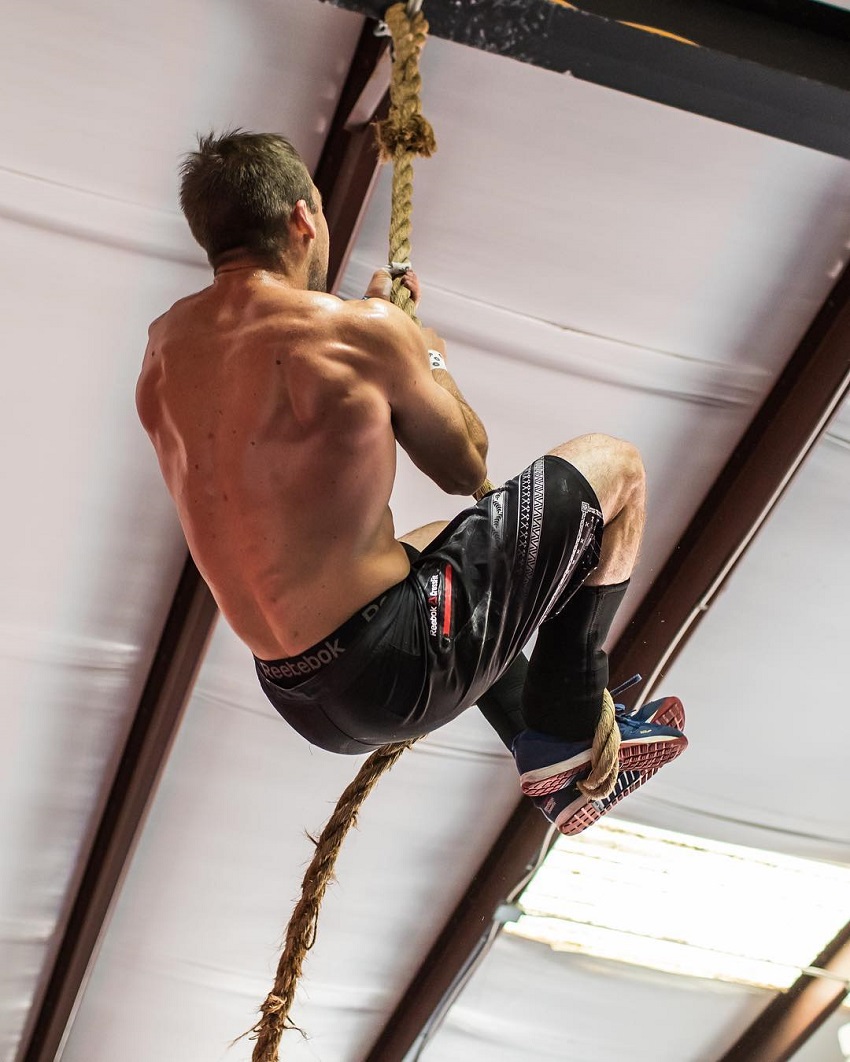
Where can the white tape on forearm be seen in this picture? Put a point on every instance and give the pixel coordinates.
(437, 359)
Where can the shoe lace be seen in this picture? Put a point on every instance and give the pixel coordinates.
(620, 710)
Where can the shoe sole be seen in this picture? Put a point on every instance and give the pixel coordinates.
(574, 820)
(648, 755)
(670, 712)
(580, 815)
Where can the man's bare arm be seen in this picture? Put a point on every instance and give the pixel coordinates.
(476, 430)
(432, 421)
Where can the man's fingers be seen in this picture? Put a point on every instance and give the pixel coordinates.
(380, 286)
(411, 282)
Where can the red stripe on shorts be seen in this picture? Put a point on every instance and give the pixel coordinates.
(447, 609)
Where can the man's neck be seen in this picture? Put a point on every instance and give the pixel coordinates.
(245, 265)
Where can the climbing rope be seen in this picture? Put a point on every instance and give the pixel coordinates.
(604, 753)
(402, 136)
(301, 931)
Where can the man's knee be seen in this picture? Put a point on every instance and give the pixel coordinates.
(613, 467)
(606, 449)
(628, 458)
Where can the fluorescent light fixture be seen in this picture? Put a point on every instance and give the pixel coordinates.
(684, 904)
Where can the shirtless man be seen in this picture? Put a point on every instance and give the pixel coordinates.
(275, 410)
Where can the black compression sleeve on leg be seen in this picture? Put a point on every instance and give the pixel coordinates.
(569, 668)
(501, 705)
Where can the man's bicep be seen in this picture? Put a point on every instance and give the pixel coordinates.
(429, 424)
(427, 420)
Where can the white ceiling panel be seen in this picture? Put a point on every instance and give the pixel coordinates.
(97, 103)
(527, 1000)
(107, 96)
(612, 216)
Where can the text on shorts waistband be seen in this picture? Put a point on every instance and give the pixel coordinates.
(293, 670)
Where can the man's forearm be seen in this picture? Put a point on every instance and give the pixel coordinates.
(476, 430)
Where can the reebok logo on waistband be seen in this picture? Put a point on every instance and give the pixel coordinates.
(304, 665)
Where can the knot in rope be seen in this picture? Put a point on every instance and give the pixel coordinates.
(404, 135)
(405, 129)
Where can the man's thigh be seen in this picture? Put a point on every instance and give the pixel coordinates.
(425, 535)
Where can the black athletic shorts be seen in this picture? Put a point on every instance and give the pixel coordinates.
(425, 650)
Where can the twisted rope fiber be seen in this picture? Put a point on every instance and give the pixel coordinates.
(404, 135)
(401, 137)
(604, 753)
(301, 931)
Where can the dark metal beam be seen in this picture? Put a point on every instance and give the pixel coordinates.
(348, 167)
(345, 175)
(779, 67)
(354, 182)
(794, 1016)
(787, 425)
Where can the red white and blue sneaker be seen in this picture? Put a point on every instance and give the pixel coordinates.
(668, 711)
(649, 738)
(571, 811)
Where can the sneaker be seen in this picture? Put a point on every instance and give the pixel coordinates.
(668, 711)
(565, 808)
(572, 812)
(648, 740)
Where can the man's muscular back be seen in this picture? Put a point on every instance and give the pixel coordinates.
(274, 412)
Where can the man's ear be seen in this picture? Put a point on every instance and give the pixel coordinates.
(302, 218)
